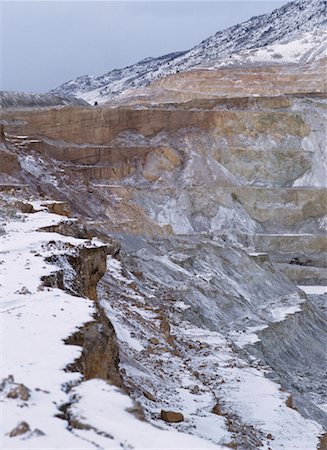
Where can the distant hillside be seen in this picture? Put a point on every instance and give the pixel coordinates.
(282, 25)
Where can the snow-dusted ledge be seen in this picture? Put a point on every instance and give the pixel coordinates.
(35, 321)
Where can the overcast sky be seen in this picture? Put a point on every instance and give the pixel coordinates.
(45, 43)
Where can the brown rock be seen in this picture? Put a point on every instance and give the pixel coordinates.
(158, 161)
(154, 341)
(289, 402)
(232, 445)
(9, 162)
(149, 396)
(20, 391)
(138, 274)
(164, 326)
(217, 410)
(26, 208)
(21, 428)
(171, 416)
(60, 208)
(100, 355)
(270, 436)
(171, 339)
(323, 442)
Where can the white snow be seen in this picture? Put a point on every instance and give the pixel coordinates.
(248, 337)
(123, 334)
(35, 321)
(276, 30)
(105, 408)
(257, 400)
(314, 290)
(309, 46)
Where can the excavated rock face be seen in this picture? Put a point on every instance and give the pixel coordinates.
(238, 81)
(252, 164)
(79, 274)
(9, 161)
(209, 198)
(100, 354)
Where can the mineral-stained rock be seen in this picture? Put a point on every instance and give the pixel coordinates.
(158, 162)
(214, 165)
(171, 416)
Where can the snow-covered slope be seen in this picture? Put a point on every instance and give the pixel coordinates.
(307, 47)
(9, 99)
(282, 25)
(36, 321)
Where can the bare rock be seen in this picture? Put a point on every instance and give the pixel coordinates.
(138, 274)
(289, 402)
(171, 416)
(323, 442)
(37, 432)
(154, 341)
(100, 355)
(22, 428)
(149, 396)
(161, 160)
(24, 207)
(60, 208)
(19, 391)
(9, 162)
(217, 410)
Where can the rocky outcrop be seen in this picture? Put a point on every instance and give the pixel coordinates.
(9, 162)
(100, 354)
(79, 273)
(81, 269)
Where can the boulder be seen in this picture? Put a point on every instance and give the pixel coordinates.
(149, 396)
(171, 416)
(19, 391)
(22, 428)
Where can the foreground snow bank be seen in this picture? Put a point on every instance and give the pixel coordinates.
(35, 321)
(105, 407)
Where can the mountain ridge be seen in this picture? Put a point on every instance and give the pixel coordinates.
(283, 24)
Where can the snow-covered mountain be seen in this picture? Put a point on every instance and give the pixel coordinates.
(282, 25)
(10, 99)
